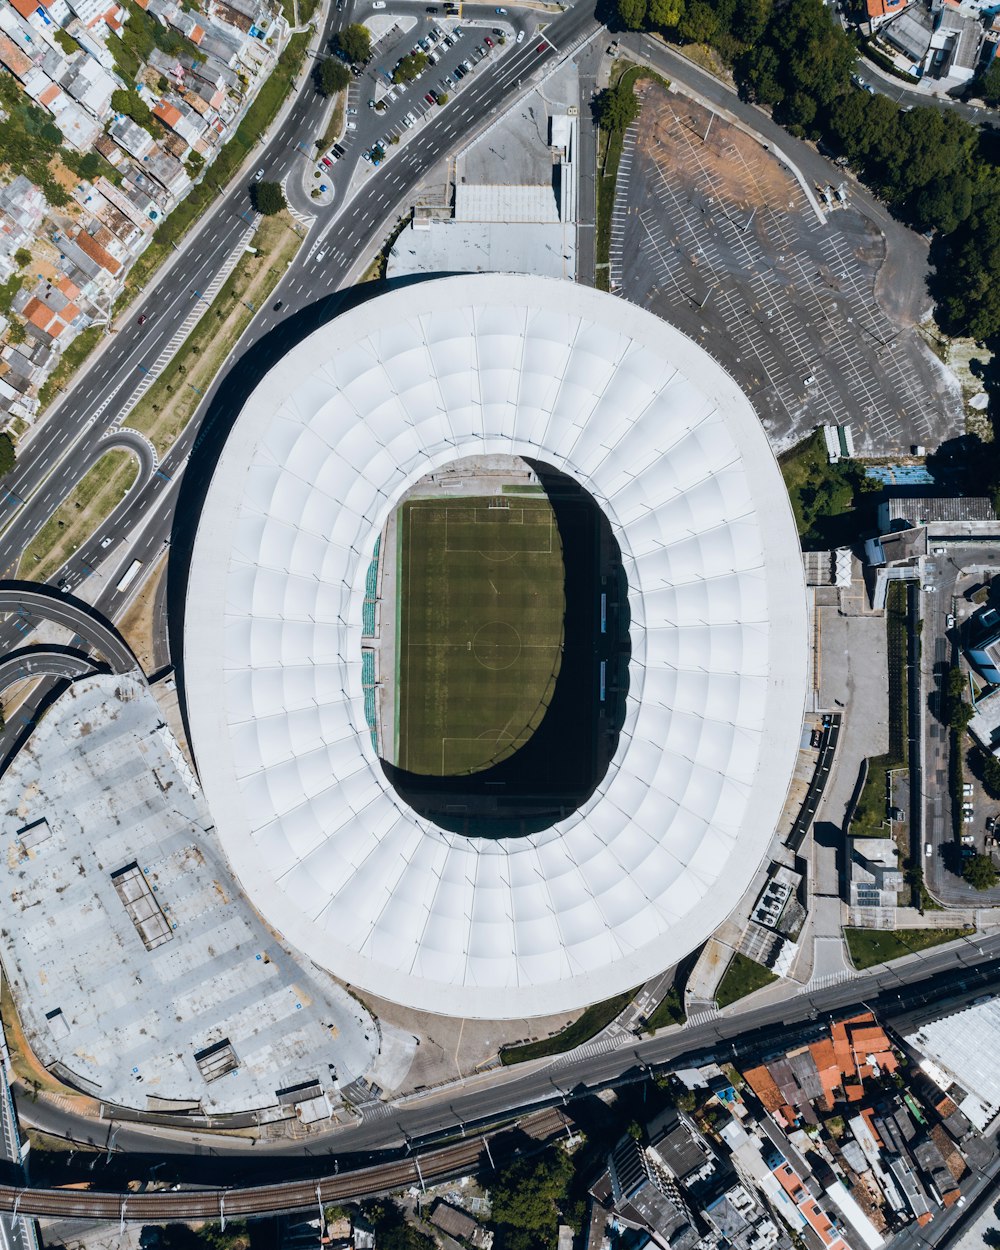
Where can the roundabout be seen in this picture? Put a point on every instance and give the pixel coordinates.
(672, 453)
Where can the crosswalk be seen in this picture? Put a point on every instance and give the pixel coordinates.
(824, 983)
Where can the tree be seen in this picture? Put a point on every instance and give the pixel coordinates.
(698, 24)
(665, 14)
(392, 1231)
(132, 105)
(527, 1198)
(443, 98)
(617, 107)
(268, 198)
(987, 87)
(980, 872)
(22, 257)
(6, 454)
(331, 76)
(967, 269)
(944, 204)
(354, 42)
(632, 13)
(991, 776)
(410, 67)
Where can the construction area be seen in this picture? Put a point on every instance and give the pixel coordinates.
(791, 287)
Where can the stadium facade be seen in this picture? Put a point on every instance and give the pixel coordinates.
(673, 453)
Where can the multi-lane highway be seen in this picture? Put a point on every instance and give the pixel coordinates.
(922, 987)
(425, 1128)
(59, 454)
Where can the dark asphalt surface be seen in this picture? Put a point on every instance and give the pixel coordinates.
(908, 993)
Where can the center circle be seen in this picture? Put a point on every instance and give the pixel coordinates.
(496, 645)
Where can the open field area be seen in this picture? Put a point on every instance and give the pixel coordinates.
(869, 947)
(742, 977)
(94, 498)
(169, 404)
(814, 320)
(481, 607)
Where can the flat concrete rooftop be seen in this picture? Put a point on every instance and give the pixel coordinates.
(131, 951)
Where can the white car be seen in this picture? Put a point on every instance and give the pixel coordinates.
(321, 254)
(352, 112)
(520, 37)
(352, 125)
(378, 4)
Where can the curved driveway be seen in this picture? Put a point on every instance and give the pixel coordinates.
(27, 600)
(44, 662)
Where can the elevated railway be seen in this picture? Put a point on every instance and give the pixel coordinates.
(439, 1164)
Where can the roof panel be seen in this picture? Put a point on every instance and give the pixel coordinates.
(326, 445)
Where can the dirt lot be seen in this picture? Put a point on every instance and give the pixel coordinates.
(717, 237)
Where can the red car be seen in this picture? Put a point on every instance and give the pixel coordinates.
(327, 162)
(429, 99)
(142, 320)
(541, 47)
(488, 41)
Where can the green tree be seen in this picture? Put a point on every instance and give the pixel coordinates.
(987, 86)
(331, 76)
(6, 454)
(354, 42)
(980, 872)
(442, 97)
(268, 198)
(22, 257)
(132, 105)
(944, 204)
(665, 14)
(698, 23)
(991, 775)
(967, 277)
(410, 67)
(617, 107)
(632, 13)
(527, 1198)
(392, 1231)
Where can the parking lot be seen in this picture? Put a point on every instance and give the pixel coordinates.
(380, 113)
(716, 236)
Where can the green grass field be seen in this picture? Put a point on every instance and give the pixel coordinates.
(481, 606)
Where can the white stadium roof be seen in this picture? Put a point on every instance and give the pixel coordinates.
(326, 445)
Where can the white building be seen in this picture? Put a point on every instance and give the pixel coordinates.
(673, 453)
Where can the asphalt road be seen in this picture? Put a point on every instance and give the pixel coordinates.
(68, 443)
(908, 993)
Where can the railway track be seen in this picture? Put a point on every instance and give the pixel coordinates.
(162, 1207)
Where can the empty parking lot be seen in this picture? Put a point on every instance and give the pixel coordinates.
(718, 237)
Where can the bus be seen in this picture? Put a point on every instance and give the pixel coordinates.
(128, 577)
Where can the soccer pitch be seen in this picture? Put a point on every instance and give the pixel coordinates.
(480, 612)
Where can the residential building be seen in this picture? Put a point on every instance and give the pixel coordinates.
(645, 1197)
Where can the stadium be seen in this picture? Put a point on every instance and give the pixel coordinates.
(462, 513)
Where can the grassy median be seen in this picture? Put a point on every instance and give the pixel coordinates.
(172, 400)
(90, 502)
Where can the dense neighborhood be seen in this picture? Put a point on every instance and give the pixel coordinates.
(131, 136)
